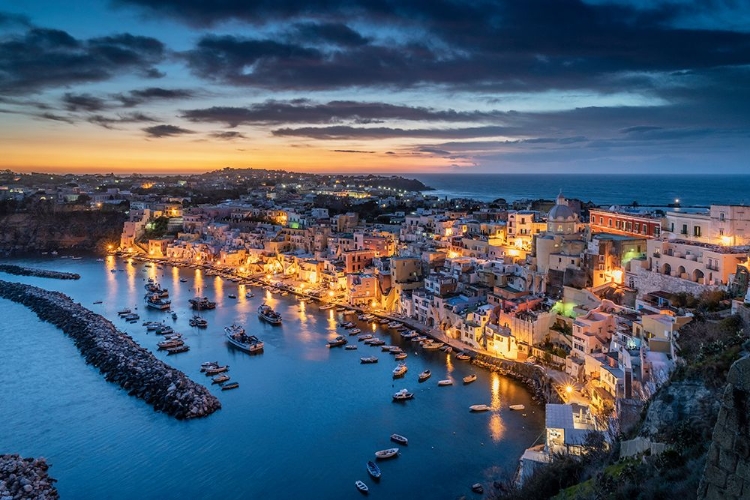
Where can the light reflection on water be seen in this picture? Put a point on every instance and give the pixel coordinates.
(305, 417)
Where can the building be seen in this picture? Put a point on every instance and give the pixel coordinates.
(625, 223)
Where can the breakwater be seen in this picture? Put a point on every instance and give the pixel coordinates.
(116, 354)
(38, 273)
(25, 478)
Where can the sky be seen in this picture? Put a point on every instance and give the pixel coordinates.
(377, 86)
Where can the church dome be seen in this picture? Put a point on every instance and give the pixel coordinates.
(561, 211)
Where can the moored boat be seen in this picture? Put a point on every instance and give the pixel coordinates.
(220, 378)
(425, 375)
(373, 469)
(209, 364)
(398, 438)
(517, 407)
(269, 315)
(470, 378)
(338, 341)
(198, 322)
(400, 356)
(389, 453)
(201, 303)
(215, 370)
(230, 385)
(238, 338)
(178, 349)
(351, 347)
(400, 370)
(445, 382)
(477, 488)
(463, 356)
(403, 395)
(370, 359)
(479, 408)
(154, 301)
(167, 344)
(361, 486)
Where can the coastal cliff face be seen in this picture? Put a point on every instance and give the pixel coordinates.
(727, 473)
(81, 230)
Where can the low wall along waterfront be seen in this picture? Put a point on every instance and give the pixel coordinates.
(38, 273)
(116, 354)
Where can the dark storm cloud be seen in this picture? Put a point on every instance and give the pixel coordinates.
(159, 131)
(305, 111)
(41, 58)
(488, 45)
(83, 102)
(136, 97)
(346, 132)
(9, 20)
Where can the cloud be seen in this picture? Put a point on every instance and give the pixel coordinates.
(227, 135)
(109, 122)
(346, 132)
(352, 151)
(274, 112)
(42, 58)
(333, 33)
(137, 97)
(83, 102)
(159, 131)
(9, 20)
(54, 117)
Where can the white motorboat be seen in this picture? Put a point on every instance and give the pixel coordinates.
(480, 408)
(370, 359)
(517, 407)
(400, 370)
(445, 382)
(403, 395)
(425, 375)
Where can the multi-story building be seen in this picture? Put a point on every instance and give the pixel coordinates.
(625, 223)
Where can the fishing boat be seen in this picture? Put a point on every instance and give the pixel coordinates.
(400, 356)
(470, 378)
(478, 408)
(373, 469)
(237, 336)
(166, 344)
(154, 301)
(398, 438)
(444, 382)
(425, 375)
(338, 341)
(201, 303)
(361, 486)
(517, 407)
(220, 378)
(209, 364)
(400, 370)
(369, 359)
(403, 395)
(230, 385)
(152, 325)
(164, 330)
(269, 315)
(389, 453)
(198, 321)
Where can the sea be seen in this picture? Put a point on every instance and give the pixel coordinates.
(603, 190)
(303, 423)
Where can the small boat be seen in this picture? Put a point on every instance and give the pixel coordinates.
(355, 331)
(425, 375)
(269, 315)
(236, 336)
(384, 321)
(394, 324)
(477, 488)
(361, 486)
(174, 316)
(230, 385)
(479, 408)
(178, 349)
(398, 438)
(167, 344)
(209, 364)
(338, 341)
(370, 359)
(124, 312)
(431, 345)
(389, 453)
(215, 370)
(375, 341)
(249, 295)
(351, 347)
(183, 280)
(394, 349)
(164, 330)
(325, 307)
(517, 407)
(220, 378)
(200, 304)
(463, 357)
(373, 469)
(232, 296)
(400, 356)
(199, 322)
(365, 336)
(400, 370)
(470, 378)
(349, 311)
(403, 395)
(445, 382)
(97, 302)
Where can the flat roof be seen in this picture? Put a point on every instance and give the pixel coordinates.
(558, 416)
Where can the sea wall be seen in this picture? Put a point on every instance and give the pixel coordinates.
(116, 354)
(532, 376)
(39, 273)
(25, 478)
(727, 473)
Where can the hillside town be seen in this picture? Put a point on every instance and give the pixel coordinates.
(593, 297)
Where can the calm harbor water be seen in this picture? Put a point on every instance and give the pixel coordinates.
(303, 422)
(656, 190)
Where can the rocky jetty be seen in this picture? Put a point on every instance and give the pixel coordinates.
(39, 273)
(116, 354)
(25, 478)
(533, 377)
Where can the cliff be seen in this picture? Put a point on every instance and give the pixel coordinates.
(81, 230)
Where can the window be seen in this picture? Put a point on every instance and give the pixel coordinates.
(721, 216)
(697, 231)
(637, 227)
(601, 220)
(721, 232)
(684, 229)
(610, 222)
(657, 231)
